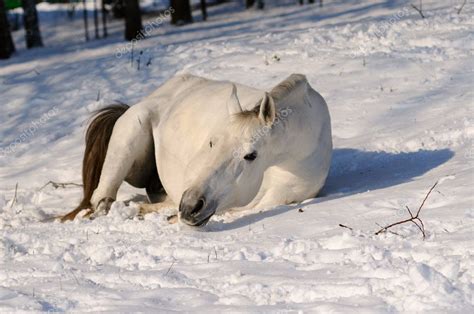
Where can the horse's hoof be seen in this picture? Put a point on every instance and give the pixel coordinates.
(89, 214)
(172, 219)
(102, 208)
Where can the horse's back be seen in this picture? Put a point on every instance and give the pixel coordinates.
(172, 88)
(186, 86)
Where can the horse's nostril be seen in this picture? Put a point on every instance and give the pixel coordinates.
(198, 207)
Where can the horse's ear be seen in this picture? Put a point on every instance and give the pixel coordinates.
(233, 104)
(267, 110)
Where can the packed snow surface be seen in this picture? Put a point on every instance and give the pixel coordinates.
(399, 89)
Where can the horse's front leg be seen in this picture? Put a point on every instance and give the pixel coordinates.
(129, 144)
(157, 207)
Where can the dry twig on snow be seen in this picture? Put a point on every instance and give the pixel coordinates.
(60, 184)
(420, 9)
(462, 6)
(415, 219)
(344, 226)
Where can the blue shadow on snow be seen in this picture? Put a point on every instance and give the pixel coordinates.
(355, 171)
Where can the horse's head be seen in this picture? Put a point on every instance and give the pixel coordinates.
(228, 170)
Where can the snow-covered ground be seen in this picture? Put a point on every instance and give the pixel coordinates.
(399, 90)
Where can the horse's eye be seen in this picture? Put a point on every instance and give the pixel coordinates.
(251, 156)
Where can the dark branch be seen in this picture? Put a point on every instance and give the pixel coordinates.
(60, 184)
(419, 10)
(394, 224)
(415, 219)
(426, 197)
(462, 6)
(344, 226)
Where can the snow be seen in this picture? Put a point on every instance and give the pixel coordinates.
(399, 89)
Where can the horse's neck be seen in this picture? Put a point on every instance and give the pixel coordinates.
(289, 140)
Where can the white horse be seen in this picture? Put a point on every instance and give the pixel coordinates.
(207, 146)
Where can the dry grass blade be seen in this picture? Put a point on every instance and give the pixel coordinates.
(169, 268)
(14, 196)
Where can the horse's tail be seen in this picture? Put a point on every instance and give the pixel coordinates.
(97, 140)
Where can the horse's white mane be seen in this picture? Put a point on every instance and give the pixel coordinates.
(247, 121)
(292, 84)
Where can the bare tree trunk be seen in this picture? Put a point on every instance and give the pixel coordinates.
(204, 9)
(182, 12)
(6, 42)
(133, 19)
(260, 4)
(301, 2)
(96, 20)
(30, 19)
(84, 15)
(104, 19)
(71, 9)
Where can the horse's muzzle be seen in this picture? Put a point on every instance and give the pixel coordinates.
(194, 210)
